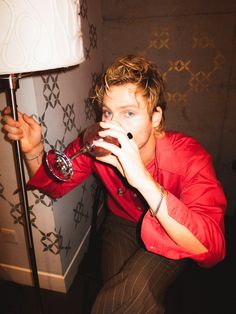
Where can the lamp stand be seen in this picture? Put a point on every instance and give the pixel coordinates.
(10, 85)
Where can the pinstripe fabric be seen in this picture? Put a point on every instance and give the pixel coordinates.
(135, 281)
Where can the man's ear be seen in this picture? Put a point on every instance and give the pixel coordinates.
(156, 117)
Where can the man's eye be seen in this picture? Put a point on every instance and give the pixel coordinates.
(129, 114)
(106, 113)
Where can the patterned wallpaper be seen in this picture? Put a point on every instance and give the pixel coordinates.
(60, 101)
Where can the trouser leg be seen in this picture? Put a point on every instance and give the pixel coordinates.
(137, 283)
(119, 242)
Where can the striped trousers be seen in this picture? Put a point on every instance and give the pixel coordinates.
(135, 281)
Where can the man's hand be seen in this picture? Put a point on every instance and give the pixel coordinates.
(26, 130)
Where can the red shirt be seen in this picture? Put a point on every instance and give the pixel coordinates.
(195, 197)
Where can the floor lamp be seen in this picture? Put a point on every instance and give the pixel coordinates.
(35, 35)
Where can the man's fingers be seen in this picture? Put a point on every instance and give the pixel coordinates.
(6, 110)
(12, 130)
(29, 120)
(10, 121)
(14, 137)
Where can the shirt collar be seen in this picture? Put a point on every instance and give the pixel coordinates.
(166, 157)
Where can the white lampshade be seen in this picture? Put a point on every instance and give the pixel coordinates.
(38, 35)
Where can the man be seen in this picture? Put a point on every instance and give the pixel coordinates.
(165, 203)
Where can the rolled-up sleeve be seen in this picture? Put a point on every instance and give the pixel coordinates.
(200, 208)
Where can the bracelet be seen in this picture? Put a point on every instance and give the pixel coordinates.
(35, 156)
(154, 212)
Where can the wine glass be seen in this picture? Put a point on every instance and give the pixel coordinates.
(61, 166)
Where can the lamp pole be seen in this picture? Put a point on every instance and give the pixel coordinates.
(10, 84)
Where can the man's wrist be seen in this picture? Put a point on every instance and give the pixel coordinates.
(156, 210)
(35, 153)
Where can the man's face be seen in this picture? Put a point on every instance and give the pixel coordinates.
(122, 105)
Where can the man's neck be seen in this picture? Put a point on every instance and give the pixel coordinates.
(147, 153)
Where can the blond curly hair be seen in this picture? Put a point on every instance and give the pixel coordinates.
(140, 72)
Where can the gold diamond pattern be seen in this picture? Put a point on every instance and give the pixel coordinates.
(192, 81)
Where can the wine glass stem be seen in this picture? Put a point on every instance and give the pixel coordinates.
(80, 152)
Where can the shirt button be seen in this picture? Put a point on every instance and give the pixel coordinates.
(120, 191)
(139, 208)
(134, 195)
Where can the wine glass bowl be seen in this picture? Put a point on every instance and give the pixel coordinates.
(90, 135)
(59, 164)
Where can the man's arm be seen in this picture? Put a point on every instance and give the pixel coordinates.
(176, 231)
